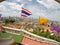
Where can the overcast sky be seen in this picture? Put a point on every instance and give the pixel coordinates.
(46, 8)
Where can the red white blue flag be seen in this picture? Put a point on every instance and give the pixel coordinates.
(25, 12)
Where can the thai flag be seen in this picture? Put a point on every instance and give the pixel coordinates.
(25, 12)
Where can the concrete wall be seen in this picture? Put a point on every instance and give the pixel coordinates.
(29, 41)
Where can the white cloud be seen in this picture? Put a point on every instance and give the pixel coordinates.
(15, 6)
(30, 0)
(12, 5)
(2, 8)
(36, 12)
(49, 3)
(10, 9)
(54, 16)
(4, 14)
(18, 0)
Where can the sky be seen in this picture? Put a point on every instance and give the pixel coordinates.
(47, 8)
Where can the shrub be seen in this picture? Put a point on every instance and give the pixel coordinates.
(46, 34)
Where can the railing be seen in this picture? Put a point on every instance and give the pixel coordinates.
(24, 32)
